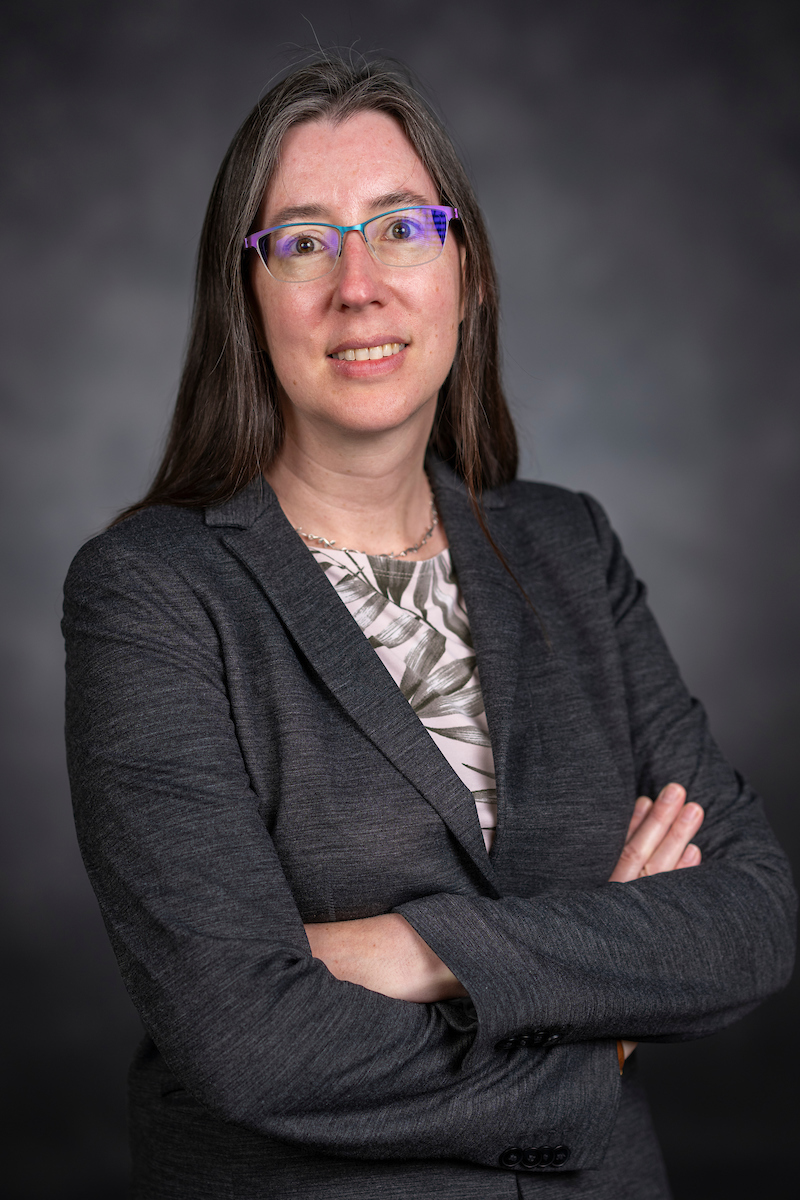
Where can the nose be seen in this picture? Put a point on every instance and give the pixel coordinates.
(358, 275)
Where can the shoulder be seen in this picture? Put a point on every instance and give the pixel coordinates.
(556, 513)
(540, 500)
(171, 539)
(143, 578)
(551, 531)
(543, 504)
(161, 534)
(531, 518)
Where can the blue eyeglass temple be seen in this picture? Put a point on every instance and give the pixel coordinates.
(441, 214)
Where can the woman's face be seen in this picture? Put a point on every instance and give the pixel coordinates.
(344, 174)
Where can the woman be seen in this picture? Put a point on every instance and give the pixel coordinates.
(361, 875)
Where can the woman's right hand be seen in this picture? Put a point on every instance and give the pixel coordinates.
(660, 836)
(384, 954)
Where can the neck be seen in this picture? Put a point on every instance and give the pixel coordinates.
(370, 494)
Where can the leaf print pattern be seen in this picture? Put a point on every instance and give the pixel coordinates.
(468, 702)
(353, 588)
(372, 608)
(391, 575)
(422, 587)
(413, 616)
(465, 733)
(446, 679)
(452, 621)
(489, 774)
(421, 660)
(398, 632)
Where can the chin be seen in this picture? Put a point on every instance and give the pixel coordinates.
(376, 416)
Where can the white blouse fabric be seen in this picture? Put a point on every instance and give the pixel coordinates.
(414, 617)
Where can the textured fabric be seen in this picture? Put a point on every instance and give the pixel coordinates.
(241, 762)
(414, 617)
(632, 1169)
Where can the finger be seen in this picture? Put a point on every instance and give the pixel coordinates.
(675, 842)
(643, 843)
(691, 857)
(640, 810)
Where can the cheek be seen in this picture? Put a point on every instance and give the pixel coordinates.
(450, 299)
(286, 328)
(447, 320)
(283, 315)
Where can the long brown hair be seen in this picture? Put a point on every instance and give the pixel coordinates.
(227, 425)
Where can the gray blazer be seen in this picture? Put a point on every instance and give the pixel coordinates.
(241, 762)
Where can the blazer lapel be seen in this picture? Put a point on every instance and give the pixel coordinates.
(329, 639)
(505, 630)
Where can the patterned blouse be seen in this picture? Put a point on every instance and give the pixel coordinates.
(414, 617)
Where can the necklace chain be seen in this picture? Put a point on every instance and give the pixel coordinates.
(329, 544)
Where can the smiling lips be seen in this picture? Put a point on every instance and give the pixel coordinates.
(364, 353)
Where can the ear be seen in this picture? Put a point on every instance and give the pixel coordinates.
(462, 255)
(462, 251)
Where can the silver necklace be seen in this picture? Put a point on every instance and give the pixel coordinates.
(329, 544)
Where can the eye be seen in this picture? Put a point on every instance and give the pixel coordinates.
(400, 231)
(301, 243)
(407, 227)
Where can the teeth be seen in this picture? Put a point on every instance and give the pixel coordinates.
(371, 352)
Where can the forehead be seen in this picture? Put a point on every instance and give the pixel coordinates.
(343, 167)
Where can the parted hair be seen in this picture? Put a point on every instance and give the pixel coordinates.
(227, 425)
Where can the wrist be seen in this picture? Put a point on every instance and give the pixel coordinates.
(429, 979)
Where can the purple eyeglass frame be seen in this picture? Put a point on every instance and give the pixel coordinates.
(252, 239)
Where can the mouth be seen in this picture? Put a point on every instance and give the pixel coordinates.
(368, 353)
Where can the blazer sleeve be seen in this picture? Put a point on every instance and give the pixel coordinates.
(208, 937)
(671, 957)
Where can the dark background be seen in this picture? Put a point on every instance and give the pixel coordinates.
(639, 165)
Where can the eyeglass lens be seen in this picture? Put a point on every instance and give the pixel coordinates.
(408, 238)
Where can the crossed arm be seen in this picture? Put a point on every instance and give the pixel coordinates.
(385, 954)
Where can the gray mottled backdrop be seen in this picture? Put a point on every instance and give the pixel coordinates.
(639, 165)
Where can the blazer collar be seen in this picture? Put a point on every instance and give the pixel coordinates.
(327, 636)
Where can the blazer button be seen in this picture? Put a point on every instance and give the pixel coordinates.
(531, 1157)
(511, 1157)
(546, 1156)
(560, 1155)
(508, 1043)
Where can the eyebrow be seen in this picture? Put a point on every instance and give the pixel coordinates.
(318, 212)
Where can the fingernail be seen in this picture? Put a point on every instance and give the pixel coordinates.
(672, 793)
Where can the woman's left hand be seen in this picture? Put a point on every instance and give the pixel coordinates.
(386, 955)
(660, 836)
(658, 839)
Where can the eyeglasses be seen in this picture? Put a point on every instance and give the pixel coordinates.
(404, 237)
